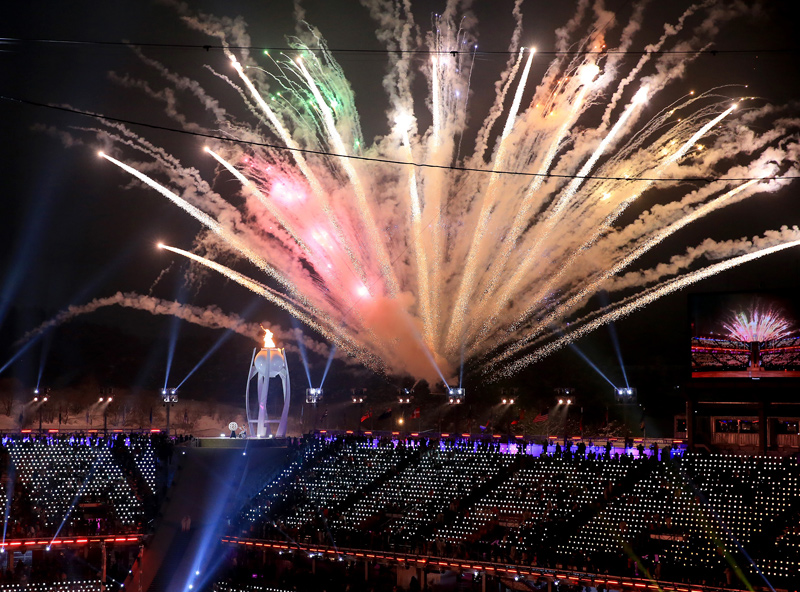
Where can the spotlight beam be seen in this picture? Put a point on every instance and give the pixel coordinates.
(328, 365)
(298, 333)
(592, 365)
(612, 329)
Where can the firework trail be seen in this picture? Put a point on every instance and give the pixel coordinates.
(409, 256)
(643, 300)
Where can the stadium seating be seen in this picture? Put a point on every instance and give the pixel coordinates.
(423, 493)
(69, 484)
(696, 517)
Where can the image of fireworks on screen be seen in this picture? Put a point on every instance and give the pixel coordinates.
(758, 324)
(744, 333)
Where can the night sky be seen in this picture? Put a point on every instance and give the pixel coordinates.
(75, 229)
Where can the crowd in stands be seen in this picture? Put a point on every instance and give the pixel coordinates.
(781, 357)
(705, 519)
(713, 353)
(719, 360)
(781, 354)
(86, 484)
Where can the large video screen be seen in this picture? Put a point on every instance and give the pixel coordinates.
(745, 334)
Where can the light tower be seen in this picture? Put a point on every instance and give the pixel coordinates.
(170, 397)
(456, 395)
(625, 395)
(313, 395)
(267, 364)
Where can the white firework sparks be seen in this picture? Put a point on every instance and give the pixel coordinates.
(407, 254)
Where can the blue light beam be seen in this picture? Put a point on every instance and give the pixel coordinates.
(222, 339)
(298, 335)
(76, 499)
(47, 341)
(217, 344)
(174, 330)
(328, 364)
(82, 294)
(461, 369)
(594, 367)
(612, 329)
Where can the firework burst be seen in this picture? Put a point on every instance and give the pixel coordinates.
(412, 256)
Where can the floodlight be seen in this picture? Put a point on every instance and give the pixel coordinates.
(313, 395)
(625, 395)
(457, 394)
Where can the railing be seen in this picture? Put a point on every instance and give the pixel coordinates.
(77, 586)
(23, 545)
(735, 439)
(513, 571)
(789, 440)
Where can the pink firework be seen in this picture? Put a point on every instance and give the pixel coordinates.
(414, 251)
(761, 323)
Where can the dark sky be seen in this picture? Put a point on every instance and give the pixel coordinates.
(72, 231)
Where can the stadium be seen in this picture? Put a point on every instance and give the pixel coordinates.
(543, 258)
(401, 510)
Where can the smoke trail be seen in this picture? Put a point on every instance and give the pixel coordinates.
(641, 301)
(210, 317)
(708, 249)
